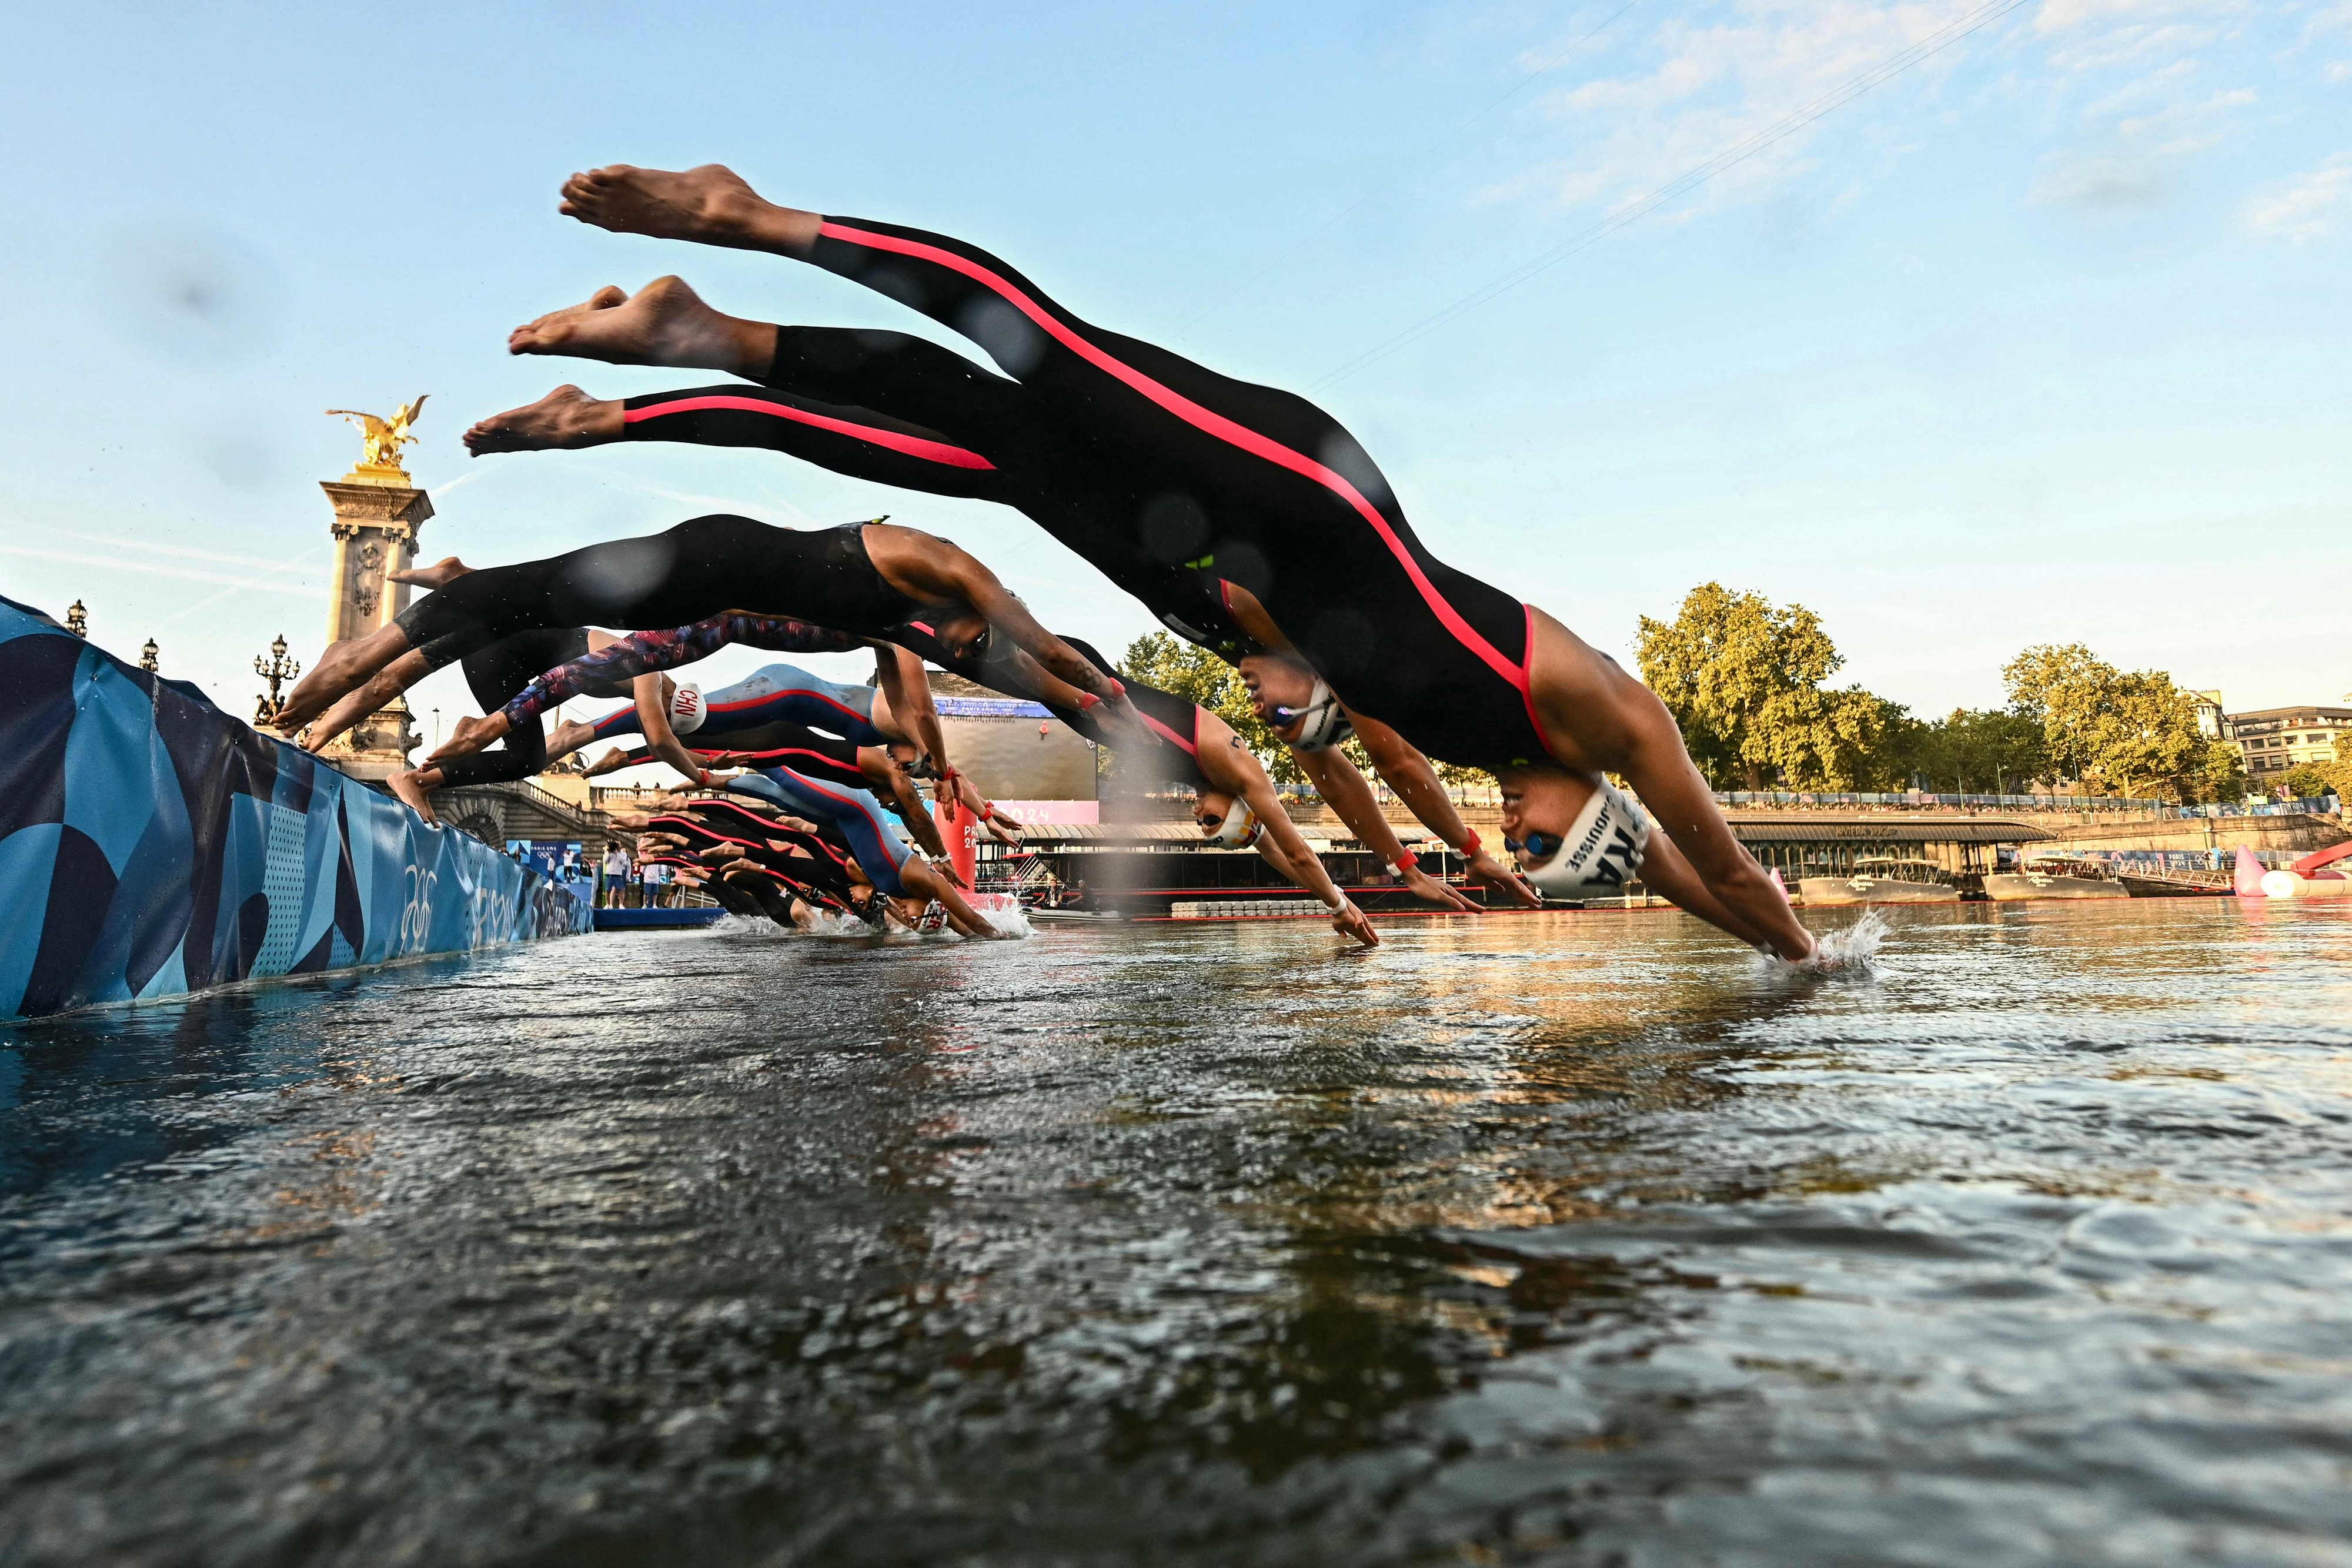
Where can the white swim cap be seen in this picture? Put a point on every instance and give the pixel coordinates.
(1239, 829)
(1598, 855)
(686, 710)
(1322, 722)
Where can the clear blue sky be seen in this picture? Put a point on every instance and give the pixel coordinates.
(2044, 339)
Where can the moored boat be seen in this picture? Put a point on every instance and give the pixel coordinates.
(2055, 876)
(1882, 880)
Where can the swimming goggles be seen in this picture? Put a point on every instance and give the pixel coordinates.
(1535, 846)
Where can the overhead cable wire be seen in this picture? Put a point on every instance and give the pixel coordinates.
(1885, 70)
(1398, 172)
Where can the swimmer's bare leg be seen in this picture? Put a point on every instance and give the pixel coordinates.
(566, 419)
(663, 323)
(387, 683)
(711, 204)
(343, 665)
(475, 732)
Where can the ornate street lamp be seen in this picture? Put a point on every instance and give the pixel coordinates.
(147, 658)
(78, 619)
(278, 669)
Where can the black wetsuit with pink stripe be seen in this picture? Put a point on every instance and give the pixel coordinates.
(1146, 463)
(701, 567)
(818, 875)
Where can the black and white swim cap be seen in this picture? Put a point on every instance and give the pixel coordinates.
(1600, 854)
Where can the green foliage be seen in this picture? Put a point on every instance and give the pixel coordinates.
(2306, 780)
(2122, 732)
(1982, 751)
(1199, 676)
(2221, 776)
(1743, 678)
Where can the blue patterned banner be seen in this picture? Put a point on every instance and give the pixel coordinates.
(151, 844)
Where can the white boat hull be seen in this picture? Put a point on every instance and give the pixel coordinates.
(2007, 885)
(1822, 890)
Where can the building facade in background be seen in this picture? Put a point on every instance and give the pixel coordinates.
(2273, 740)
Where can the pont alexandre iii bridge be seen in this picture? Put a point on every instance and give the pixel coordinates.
(553, 807)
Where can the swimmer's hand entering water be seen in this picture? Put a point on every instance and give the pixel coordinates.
(1348, 921)
(1502, 878)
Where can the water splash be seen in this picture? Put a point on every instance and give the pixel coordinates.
(1852, 950)
(1855, 950)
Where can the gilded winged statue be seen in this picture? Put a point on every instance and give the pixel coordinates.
(384, 437)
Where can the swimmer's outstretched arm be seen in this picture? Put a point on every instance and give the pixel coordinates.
(898, 676)
(889, 781)
(1667, 870)
(1350, 795)
(1404, 769)
(1619, 724)
(933, 571)
(1232, 769)
(927, 882)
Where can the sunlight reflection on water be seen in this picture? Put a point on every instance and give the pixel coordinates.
(1561, 1239)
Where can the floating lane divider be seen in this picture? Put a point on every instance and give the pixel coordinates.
(151, 845)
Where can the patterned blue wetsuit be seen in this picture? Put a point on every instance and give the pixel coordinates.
(881, 849)
(775, 693)
(665, 649)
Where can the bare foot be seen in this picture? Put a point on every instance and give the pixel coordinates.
(663, 323)
(612, 762)
(412, 794)
(710, 205)
(566, 418)
(440, 574)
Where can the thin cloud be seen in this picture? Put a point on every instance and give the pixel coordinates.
(2307, 207)
(1714, 85)
(2104, 185)
(183, 552)
(151, 568)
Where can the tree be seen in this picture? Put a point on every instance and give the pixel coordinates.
(1743, 678)
(1988, 751)
(2116, 731)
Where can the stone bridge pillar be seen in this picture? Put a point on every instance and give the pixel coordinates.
(377, 514)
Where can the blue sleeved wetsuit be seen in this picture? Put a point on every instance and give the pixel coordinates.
(775, 693)
(881, 849)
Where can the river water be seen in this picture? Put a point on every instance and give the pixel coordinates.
(1559, 1239)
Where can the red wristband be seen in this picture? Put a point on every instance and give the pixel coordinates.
(1407, 861)
(1470, 845)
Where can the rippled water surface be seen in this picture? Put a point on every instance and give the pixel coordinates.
(1547, 1240)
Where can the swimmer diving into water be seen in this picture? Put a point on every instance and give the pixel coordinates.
(1010, 453)
(860, 579)
(1234, 803)
(1283, 520)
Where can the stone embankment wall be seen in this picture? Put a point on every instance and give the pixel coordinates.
(2300, 834)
